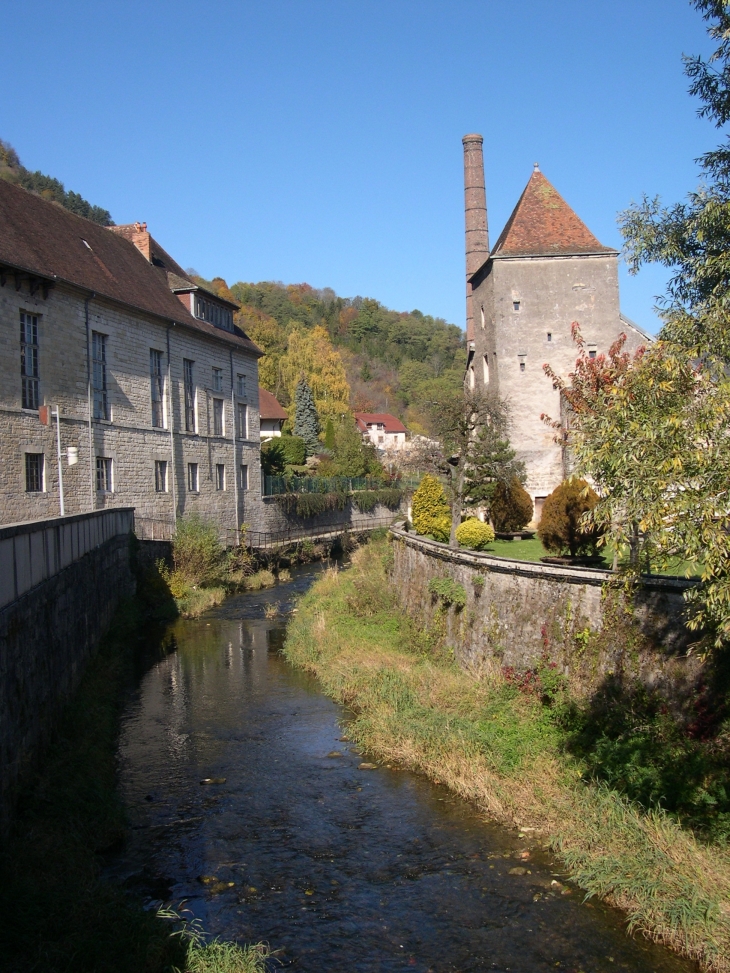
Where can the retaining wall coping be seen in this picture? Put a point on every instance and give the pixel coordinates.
(30, 526)
(533, 569)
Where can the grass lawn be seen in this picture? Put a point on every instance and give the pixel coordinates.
(532, 550)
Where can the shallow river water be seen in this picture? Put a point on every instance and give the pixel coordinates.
(336, 868)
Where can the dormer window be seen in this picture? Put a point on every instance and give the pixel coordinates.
(215, 314)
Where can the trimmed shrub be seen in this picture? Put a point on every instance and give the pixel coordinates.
(511, 506)
(273, 456)
(431, 514)
(560, 528)
(475, 535)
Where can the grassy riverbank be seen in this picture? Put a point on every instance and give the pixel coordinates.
(57, 912)
(506, 749)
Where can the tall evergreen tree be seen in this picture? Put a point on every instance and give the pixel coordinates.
(306, 423)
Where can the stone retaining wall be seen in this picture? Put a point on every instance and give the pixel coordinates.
(67, 577)
(519, 612)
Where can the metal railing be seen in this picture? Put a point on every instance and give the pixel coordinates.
(153, 528)
(277, 485)
(261, 540)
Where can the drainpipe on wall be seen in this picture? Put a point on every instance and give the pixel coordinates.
(171, 422)
(233, 440)
(92, 469)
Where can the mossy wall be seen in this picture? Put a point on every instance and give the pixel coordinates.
(516, 612)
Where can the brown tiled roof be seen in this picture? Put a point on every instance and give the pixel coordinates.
(542, 224)
(45, 239)
(364, 419)
(269, 407)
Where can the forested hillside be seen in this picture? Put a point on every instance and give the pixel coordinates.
(356, 353)
(12, 170)
(351, 349)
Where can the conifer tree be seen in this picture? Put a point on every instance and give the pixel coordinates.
(306, 423)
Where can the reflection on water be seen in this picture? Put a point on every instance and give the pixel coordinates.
(340, 869)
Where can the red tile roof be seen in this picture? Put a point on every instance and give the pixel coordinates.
(365, 419)
(542, 224)
(44, 239)
(269, 407)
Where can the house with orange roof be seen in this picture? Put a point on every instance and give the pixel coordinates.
(384, 430)
(546, 270)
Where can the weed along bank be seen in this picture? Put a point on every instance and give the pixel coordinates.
(495, 612)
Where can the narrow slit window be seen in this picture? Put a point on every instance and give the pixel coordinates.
(189, 383)
(242, 420)
(217, 417)
(29, 360)
(34, 472)
(220, 476)
(99, 376)
(244, 477)
(103, 474)
(160, 476)
(193, 477)
(549, 336)
(158, 419)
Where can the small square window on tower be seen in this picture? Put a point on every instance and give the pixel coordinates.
(515, 305)
(549, 336)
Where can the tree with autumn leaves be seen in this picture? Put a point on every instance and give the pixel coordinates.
(652, 430)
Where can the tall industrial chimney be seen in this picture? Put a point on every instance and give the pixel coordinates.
(475, 208)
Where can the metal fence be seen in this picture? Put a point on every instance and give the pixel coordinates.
(261, 540)
(277, 485)
(153, 528)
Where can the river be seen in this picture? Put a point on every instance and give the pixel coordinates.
(337, 868)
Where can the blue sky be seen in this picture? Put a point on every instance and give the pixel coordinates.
(320, 140)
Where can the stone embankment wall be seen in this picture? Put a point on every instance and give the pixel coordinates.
(518, 612)
(60, 582)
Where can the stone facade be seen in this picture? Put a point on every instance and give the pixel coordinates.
(154, 463)
(546, 271)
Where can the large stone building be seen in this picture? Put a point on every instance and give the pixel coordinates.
(156, 389)
(545, 271)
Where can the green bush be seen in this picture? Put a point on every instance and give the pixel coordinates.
(196, 550)
(448, 591)
(430, 510)
(474, 535)
(560, 528)
(511, 506)
(273, 456)
(367, 500)
(294, 449)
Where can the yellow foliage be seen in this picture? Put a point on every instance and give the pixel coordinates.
(311, 354)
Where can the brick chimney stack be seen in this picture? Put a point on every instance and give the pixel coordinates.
(475, 209)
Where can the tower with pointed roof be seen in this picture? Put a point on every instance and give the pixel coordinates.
(545, 271)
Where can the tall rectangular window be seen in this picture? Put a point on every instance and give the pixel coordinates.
(34, 472)
(242, 420)
(29, 360)
(244, 477)
(158, 418)
(98, 375)
(241, 385)
(193, 477)
(189, 382)
(220, 476)
(217, 417)
(160, 476)
(217, 379)
(104, 474)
